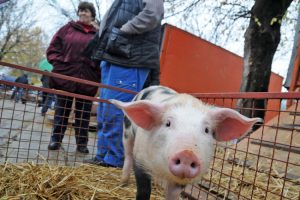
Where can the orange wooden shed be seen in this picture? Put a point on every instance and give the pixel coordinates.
(193, 65)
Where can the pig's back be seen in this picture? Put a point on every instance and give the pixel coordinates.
(155, 94)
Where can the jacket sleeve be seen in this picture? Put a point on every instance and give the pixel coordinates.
(54, 51)
(149, 18)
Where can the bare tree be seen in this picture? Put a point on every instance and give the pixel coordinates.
(31, 51)
(216, 21)
(71, 12)
(14, 19)
(223, 22)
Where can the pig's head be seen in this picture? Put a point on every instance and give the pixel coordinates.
(176, 137)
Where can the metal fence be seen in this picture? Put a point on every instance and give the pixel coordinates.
(263, 165)
(266, 163)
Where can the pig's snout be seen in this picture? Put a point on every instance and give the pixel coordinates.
(184, 164)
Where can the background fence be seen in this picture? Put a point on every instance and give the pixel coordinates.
(263, 165)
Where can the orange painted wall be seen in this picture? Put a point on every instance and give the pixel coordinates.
(193, 65)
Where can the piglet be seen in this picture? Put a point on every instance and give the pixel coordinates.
(171, 136)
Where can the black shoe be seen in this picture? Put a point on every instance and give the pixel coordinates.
(95, 161)
(82, 149)
(54, 146)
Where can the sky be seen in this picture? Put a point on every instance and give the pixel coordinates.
(49, 20)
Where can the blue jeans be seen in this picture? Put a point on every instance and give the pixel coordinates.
(110, 118)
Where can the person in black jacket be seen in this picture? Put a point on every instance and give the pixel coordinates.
(18, 92)
(127, 45)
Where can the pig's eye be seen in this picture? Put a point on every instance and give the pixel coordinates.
(206, 130)
(168, 123)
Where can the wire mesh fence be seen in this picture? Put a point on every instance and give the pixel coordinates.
(263, 165)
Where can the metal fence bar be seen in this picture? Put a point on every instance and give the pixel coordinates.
(249, 95)
(70, 78)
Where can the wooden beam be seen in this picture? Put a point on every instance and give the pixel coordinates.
(248, 164)
(295, 113)
(282, 147)
(287, 128)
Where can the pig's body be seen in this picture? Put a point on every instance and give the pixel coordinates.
(171, 136)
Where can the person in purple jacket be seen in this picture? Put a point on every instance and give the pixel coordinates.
(65, 54)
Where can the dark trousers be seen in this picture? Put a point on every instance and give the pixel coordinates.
(44, 97)
(17, 94)
(47, 99)
(82, 118)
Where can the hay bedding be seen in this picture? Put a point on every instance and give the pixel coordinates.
(36, 181)
(43, 181)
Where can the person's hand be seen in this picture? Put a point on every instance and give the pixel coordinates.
(118, 31)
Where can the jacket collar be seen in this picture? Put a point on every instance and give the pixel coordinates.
(78, 26)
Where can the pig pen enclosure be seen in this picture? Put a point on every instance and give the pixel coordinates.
(263, 165)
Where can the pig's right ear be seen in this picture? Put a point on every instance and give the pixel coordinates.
(143, 113)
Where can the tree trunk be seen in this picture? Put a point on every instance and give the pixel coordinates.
(261, 40)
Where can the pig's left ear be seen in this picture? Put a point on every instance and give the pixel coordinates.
(143, 113)
(230, 124)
